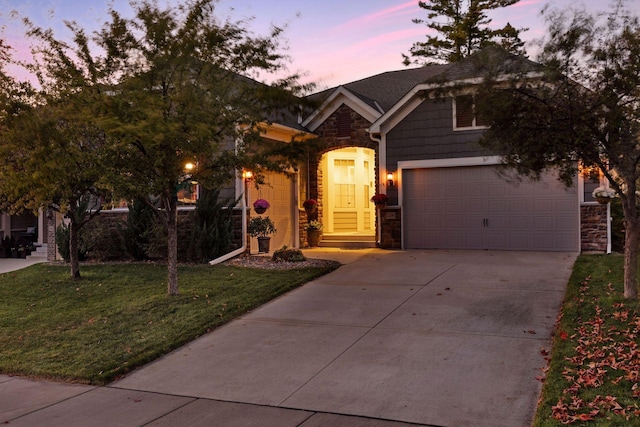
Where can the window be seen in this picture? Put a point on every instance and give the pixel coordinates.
(589, 181)
(344, 183)
(465, 115)
(188, 193)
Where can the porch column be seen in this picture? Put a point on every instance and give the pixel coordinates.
(6, 224)
(42, 227)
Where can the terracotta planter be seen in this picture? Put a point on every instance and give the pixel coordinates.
(263, 244)
(313, 238)
(603, 200)
(311, 210)
(380, 205)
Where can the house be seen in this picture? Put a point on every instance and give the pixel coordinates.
(412, 134)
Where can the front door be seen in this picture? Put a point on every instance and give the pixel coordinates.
(348, 184)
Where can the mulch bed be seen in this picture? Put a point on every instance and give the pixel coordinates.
(266, 262)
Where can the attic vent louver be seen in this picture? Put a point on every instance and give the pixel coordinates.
(344, 124)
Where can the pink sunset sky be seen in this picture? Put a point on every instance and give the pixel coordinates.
(332, 41)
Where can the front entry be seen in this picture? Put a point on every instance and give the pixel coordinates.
(348, 183)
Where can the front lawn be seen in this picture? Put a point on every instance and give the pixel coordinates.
(118, 317)
(594, 375)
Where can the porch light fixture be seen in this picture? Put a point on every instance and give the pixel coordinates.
(189, 166)
(247, 175)
(390, 179)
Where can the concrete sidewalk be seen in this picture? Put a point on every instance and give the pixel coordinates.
(12, 264)
(439, 338)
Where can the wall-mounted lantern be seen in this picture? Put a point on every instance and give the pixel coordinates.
(390, 179)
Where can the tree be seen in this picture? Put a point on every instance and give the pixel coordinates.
(127, 108)
(51, 150)
(184, 94)
(582, 106)
(462, 28)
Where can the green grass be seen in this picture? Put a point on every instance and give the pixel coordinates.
(593, 379)
(118, 317)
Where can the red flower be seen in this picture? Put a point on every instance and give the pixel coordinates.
(309, 204)
(379, 198)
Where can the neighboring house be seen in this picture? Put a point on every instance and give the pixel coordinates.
(23, 228)
(411, 134)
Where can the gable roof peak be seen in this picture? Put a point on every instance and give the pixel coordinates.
(487, 61)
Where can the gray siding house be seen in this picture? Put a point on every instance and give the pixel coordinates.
(412, 135)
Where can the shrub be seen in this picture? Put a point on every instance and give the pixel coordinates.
(286, 254)
(212, 229)
(106, 240)
(62, 241)
(140, 226)
(261, 227)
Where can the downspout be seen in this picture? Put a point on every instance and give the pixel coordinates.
(243, 248)
(609, 221)
(241, 187)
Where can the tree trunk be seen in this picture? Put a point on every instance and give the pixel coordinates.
(172, 247)
(631, 246)
(73, 249)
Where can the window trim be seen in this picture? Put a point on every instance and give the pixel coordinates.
(581, 181)
(473, 126)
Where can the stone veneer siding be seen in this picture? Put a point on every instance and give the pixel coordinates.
(52, 250)
(113, 220)
(390, 227)
(328, 133)
(593, 228)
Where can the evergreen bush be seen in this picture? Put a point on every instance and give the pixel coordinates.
(286, 254)
(138, 232)
(62, 241)
(212, 231)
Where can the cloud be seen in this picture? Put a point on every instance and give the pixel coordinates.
(379, 17)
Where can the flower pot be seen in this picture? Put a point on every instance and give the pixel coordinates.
(311, 210)
(380, 205)
(603, 200)
(263, 244)
(313, 238)
(260, 210)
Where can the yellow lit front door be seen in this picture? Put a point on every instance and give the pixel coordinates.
(348, 184)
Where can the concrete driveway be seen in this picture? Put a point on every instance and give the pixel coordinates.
(438, 338)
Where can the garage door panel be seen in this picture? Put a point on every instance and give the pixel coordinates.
(518, 206)
(565, 206)
(476, 208)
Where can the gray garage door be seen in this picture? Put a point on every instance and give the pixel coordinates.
(474, 208)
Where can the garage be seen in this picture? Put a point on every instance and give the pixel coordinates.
(279, 190)
(472, 207)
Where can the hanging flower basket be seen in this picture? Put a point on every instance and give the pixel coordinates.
(261, 206)
(380, 200)
(310, 206)
(603, 195)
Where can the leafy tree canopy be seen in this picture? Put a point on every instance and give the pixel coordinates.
(582, 107)
(130, 105)
(51, 148)
(461, 28)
